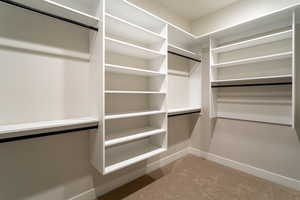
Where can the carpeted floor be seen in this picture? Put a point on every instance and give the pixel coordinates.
(193, 178)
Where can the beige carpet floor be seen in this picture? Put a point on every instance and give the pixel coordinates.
(193, 178)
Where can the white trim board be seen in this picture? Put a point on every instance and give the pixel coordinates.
(258, 172)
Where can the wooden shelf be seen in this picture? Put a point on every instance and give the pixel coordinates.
(132, 92)
(178, 111)
(130, 135)
(256, 118)
(120, 27)
(129, 155)
(133, 114)
(33, 128)
(131, 70)
(124, 48)
(179, 36)
(279, 56)
(264, 79)
(178, 73)
(183, 52)
(60, 10)
(253, 42)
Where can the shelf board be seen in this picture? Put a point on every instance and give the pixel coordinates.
(263, 79)
(179, 111)
(60, 10)
(255, 118)
(130, 135)
(183, 52)
(133, 114)
(120, 27)
(279, 56)
(34, 128)
(125, 48)
(252, 101)
(177, 35)
(132, 92)
(253, 42)
(141, 17)
(179, 73)
(131, 157)
(131, 70)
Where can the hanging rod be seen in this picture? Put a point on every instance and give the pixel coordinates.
(50, 133)
(177, 54)
(48, 14)
(251, 85)
(186, 113)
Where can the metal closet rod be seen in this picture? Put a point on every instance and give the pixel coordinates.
(48, 14)
(251, 85)
(50, 133)
(177, 54)
(186, 113)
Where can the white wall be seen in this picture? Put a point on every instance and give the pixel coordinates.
(237, 13)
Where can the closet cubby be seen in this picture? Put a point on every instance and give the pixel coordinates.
(49, 78)
(251, 74)
(135, 86)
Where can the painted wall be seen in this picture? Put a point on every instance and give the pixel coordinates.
(237, 13)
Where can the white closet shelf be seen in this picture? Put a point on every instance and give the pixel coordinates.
(60, 10)
(140, 17)
(131, 135)
(133, 114)
(256, 41)
(120, 27)
(184, 52)
(33, 128)
(255, 118)
(177, 111)
(179, 73)
(131, 70)
(125, 48)
(132, 92)
(177, 35)
(279, 56)
(135, 156)
(268, 79)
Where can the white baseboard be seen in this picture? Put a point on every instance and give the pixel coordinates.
(87, 195)
(261, 173)
(93, 193)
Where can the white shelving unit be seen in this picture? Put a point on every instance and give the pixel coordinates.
(72, 12)
(39, 95)
(134, 89)
(251, 79)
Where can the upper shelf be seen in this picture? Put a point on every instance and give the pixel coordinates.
(135, 15)
(125, 48)
(278, 56)
(256, 41)
(53, 8)
(132, 70)
(183, 111)
(120, 27)
(184, 52)
(179, 36)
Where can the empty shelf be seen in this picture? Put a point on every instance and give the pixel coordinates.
(33, 128)
(279, 56)
(129, 155)
(132, 92)
(253, 42)
(181, 111)
(265, 79)
(125, 48)
(131, 70)
(53, 8)
(130, 135)
(133, 114)
(120, 27)
(183, 52)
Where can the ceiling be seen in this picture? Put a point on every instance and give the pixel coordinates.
(194, 9)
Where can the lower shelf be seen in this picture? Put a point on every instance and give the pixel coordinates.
(182, 111)
(133, 114)
(264, 119)
(128, 154)
(34, 128)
